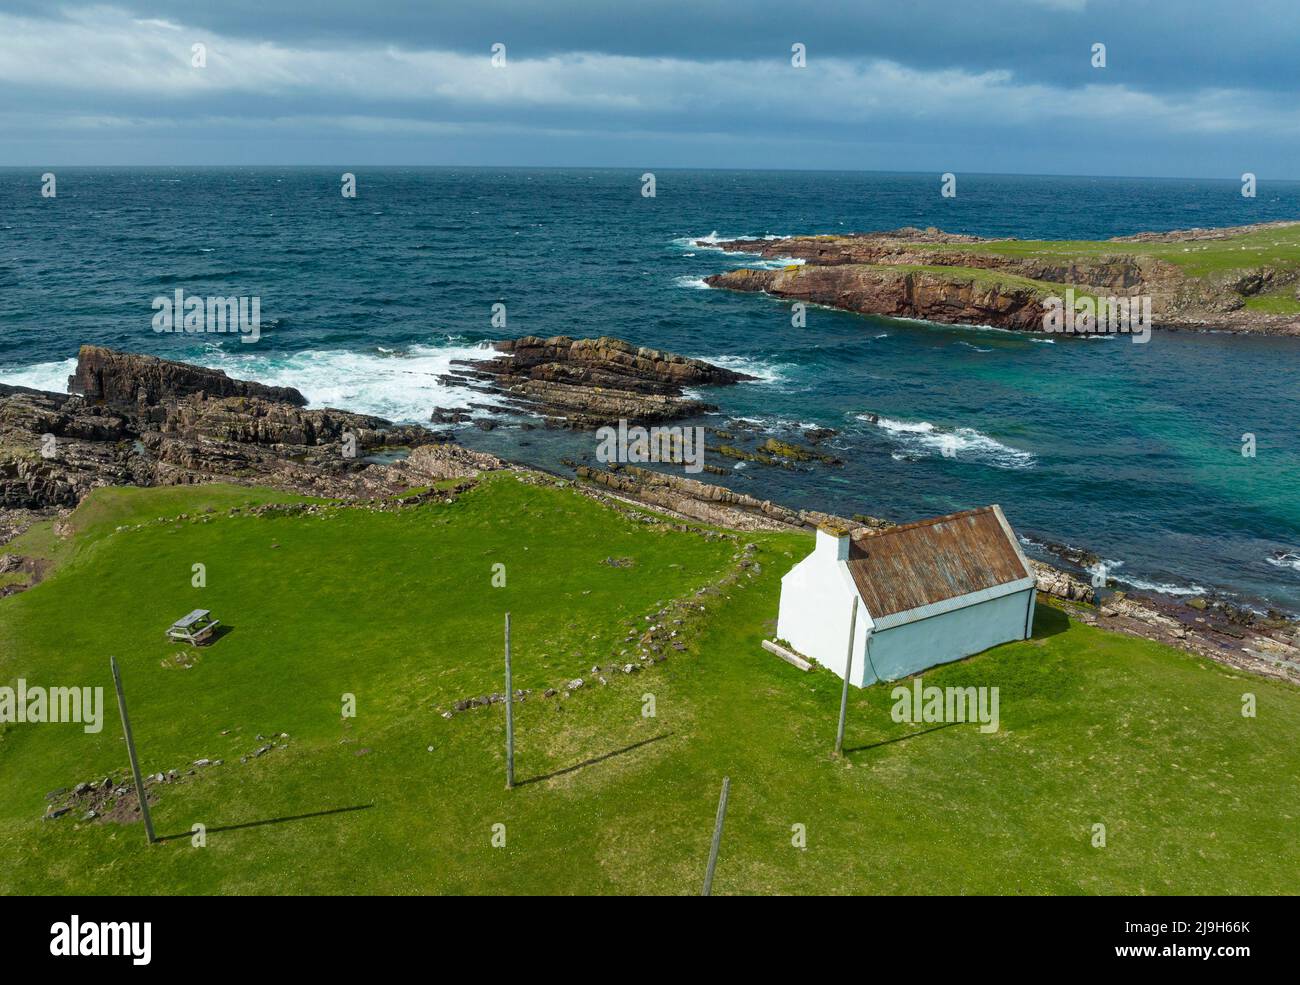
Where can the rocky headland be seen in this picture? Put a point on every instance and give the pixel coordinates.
(1242, 278)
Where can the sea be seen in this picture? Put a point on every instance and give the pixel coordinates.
(1133, 452)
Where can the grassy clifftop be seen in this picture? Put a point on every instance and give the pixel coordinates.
(1199, 253)
(1242, 278)
(397, 607)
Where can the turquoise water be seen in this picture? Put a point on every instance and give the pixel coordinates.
(1132, 451)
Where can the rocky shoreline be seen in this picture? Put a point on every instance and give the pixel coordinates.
(139, 420)
(957, 279)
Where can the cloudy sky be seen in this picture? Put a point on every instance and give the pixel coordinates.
(1196, 88)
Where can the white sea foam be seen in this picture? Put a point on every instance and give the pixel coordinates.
(766, 372)
(772, 263)
(953, 325)
(972, 345)
(1164, 588)
(917, 438)
(1288, 560)
(777, 423)
(402, 386)
(696, 283)
(714, 240)
(1108, 568)
(52, 376)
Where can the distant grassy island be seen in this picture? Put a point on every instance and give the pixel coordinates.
(1242, 279)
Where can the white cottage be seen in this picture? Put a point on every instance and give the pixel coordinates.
(916, 595)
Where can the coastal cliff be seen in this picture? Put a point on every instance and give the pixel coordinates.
(1242, 278)
(897, 292)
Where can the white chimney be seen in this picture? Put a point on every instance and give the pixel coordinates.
(832, 543)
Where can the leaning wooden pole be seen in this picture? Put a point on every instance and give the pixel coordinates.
(717, 837)
(848, 669)
(510, 716)
(130, 750)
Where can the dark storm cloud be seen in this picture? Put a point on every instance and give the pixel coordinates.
(1161, 45)
(1192, 87)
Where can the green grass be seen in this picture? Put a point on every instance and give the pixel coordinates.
(1264, 248)
(397, 608)
(105, 509)
(1283, 302)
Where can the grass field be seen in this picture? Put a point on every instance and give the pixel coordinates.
(1277, 247)
(398, 609)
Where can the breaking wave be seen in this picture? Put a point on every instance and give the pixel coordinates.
(403, 386)
(1108, 569)
(772, 263)
(696, 283)
(1285, 559)
(51, 376)
(918, 439)
(767, 372)
(714, 240)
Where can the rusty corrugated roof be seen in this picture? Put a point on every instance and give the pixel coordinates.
(920, 563)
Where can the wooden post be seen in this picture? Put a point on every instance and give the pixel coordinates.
(717, 837)
(848, 669)
(510, 716)
(130, 749)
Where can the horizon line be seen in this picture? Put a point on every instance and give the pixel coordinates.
(630, 167)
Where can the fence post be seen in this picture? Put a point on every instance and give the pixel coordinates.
(510, 716)
(848, 669)
(130, 749)
(717, 837)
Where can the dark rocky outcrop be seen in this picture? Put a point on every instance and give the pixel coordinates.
(130, 378)
(88, 447)
(145, 421)
(587, 383)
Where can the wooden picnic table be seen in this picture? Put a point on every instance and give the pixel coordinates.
(195, 628)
